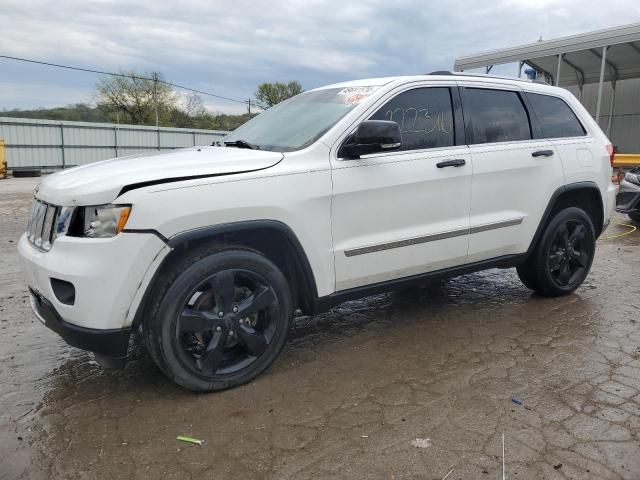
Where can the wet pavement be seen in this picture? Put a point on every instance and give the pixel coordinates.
(352, 391)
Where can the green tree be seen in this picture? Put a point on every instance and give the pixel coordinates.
(270, 94)
(189, 113)
(133, 99)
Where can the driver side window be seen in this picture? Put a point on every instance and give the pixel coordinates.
(425, 117)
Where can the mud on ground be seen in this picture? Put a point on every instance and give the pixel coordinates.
(351, 391)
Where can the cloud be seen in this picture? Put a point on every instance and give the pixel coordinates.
(229, 47)
(30, 95)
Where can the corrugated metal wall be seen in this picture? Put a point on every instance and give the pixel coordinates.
(625, 121)
(52, 144)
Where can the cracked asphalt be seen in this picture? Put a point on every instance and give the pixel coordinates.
(353, 391)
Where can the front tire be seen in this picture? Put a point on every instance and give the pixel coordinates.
(563, 257)
(219, 318)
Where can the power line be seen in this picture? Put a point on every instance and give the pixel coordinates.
(100, 72)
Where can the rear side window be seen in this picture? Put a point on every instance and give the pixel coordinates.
(556, 118)
(494, 116)
(425, 117)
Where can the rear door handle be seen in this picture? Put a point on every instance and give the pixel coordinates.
(458, 162)
(542, 153)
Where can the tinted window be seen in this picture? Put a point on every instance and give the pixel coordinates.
(424, 115)
(495, 116)
(555, 117)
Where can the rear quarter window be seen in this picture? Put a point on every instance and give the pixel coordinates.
(556, 118)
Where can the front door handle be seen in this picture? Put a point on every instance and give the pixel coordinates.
(542, 153)
(458, 162)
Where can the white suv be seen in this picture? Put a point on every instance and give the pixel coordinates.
(337, 193)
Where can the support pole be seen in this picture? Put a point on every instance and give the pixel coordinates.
(520, 63)
(613, 99)
(557, 82)
(115, 138)
(579, 82)
(64, 161)
(603, 64)
(155, 96)
(155, 104)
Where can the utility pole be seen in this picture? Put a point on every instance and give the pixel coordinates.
(155, 96)
(249, 106)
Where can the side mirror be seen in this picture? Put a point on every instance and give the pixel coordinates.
(372, 136)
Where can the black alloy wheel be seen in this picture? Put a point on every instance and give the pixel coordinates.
(218, 317)
(562, 257)
(227, 323)
(570, 254)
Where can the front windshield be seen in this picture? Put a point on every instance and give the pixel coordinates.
(298, 122)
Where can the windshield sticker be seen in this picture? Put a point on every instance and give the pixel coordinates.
(354, 95)
(357, 91)
(354, 99)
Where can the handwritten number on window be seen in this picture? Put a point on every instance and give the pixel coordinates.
(412, 120)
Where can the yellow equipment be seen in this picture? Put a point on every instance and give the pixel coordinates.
(3, 161)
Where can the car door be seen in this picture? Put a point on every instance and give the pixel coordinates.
(514, 174)
(402, 213)
(578, 151)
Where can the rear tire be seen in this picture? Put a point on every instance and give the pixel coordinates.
(219, 318)
(562, 258)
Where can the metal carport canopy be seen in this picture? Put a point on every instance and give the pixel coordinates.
(604, 55)
(581, 56)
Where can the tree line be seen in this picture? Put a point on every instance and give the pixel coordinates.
(136, 99)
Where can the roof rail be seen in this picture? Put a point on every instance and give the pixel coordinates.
(485, 75)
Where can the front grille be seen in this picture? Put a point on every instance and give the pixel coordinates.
(41, 226)
(625, 197)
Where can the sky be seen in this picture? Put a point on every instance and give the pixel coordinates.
(228, 47)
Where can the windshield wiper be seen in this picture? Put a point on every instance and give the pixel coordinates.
(242, 144)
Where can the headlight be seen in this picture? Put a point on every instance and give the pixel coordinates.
(63, 221)
(101, 221)
(105, 220)
(633, 178)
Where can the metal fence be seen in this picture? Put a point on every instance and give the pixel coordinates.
(48, 144)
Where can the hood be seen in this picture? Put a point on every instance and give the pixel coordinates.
(102, 182)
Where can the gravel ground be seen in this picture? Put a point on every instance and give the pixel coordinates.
(408, 385)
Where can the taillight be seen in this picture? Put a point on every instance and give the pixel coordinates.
(612, 153)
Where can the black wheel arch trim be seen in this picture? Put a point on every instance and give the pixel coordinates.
(202, 233)
(552, 202)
